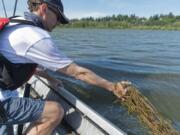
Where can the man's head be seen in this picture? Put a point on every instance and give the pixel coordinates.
(51, 12)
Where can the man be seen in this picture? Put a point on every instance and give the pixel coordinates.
(24, 47)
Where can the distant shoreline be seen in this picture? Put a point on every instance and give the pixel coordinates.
(156, 22)
(132, 27)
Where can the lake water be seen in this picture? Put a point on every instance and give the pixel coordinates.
(150, 59)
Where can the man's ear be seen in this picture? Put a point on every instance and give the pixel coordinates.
(43, 9)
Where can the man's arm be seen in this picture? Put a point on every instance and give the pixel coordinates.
(84, 74)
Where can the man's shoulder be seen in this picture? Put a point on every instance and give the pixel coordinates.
(26, 34)
(26, 28)
(32, 31)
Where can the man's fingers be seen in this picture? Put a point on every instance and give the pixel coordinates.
(121, 89)
(125, 98)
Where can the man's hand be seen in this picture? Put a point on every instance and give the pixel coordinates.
(120, 89)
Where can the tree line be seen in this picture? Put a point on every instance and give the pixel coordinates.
(157, 21)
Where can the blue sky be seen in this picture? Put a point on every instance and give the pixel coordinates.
(98, 8)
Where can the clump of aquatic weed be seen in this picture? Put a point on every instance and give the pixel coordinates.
(147, 113)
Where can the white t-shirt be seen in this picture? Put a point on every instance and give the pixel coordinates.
(30, 44)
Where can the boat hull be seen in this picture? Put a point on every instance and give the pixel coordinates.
(79, 116)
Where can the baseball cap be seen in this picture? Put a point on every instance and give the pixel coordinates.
(56, 6)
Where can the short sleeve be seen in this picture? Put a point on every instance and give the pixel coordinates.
(46, 54)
